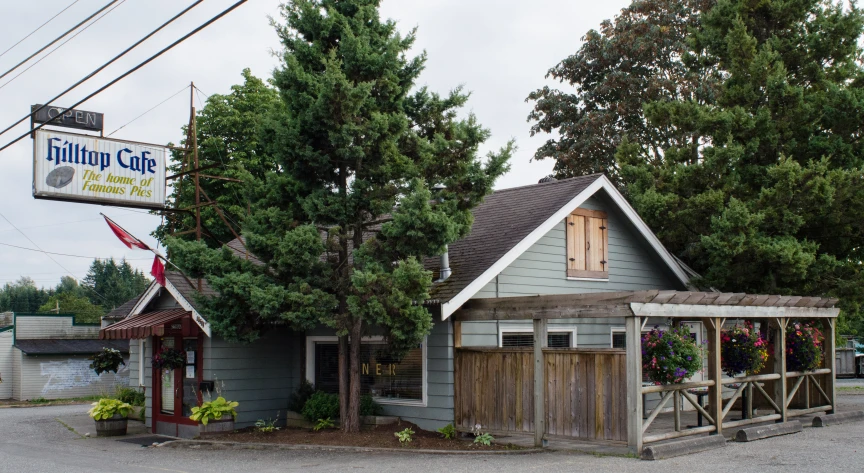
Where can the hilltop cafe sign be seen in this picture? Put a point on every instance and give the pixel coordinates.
(83, 168)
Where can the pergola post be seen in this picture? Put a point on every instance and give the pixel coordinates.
(780, 386)
(634, 384)
(831, 362)
(715, 372)
(540, 342)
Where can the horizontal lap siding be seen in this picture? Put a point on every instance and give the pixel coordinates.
(6, 370)
(261, 376)
(439, 381)
(51, 326)
(133, 363)
(66, 376)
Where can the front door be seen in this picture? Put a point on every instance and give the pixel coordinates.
(175, 392)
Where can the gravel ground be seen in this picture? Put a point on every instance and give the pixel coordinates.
(32, 440)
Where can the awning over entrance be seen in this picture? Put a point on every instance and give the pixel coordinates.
(145, 325)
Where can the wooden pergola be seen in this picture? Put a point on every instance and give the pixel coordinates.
(712, 309)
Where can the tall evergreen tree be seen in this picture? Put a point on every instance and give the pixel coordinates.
(109, 284)
(23, 296)
(344, 220)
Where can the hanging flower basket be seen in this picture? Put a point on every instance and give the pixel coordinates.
(169, 359)
(670, 356)
(742, 350)
(803, 347)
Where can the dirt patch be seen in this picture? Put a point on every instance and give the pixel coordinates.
(381, 436)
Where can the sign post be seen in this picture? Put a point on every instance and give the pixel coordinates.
(81, 168)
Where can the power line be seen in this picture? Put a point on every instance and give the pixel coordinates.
(148, 111)
(31, 66)
(99, 69)
(64, 254)
(59, 38)
(49, 256)
(37, 29)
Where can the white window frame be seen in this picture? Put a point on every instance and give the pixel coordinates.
(310, 367)
(140, 362)
(523, 328)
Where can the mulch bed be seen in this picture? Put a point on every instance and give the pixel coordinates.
(381, 436)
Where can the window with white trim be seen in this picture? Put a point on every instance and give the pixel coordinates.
(556, 337)
(387, 379)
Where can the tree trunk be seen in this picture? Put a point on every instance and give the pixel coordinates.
(352, 420)
(343, 378)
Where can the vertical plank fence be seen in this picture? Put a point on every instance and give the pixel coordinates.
(585, 392)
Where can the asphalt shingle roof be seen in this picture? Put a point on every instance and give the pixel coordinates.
(69, 347)
(121, 312)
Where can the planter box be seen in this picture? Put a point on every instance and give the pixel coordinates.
(294, 419)
(137, 413)
(378, 420)
(216, 427)
(112, 427)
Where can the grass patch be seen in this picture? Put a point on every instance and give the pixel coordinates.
(850, 389)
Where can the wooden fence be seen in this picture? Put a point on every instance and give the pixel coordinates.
(585, 391)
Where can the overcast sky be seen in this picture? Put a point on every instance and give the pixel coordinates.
(499, 50)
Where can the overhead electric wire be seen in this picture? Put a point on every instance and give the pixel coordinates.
(37, 29)
(148, 111)
(48, 255)
(31, 66)
(68, 255)
(100, 68)
(59, 38)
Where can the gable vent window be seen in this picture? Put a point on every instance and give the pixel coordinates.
(522, 339)
(587, 244)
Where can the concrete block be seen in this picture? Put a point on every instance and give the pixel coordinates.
(825, 420)
(765, 431)
(378, 420)
(682, 447)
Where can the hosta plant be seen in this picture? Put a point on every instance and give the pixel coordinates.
(106, 408)
(214, 410)
(742, 350)
(404, 436)
(803, 347)
(670, 356)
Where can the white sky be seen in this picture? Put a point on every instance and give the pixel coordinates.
(499, 50)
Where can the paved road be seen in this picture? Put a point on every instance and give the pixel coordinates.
(31, 440)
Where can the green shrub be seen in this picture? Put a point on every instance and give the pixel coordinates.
(448, 431)
(214, 410)
(106, 408)
(484, 439)
(368, 406)
(324, 424)
(321, 406)
(130, 396)
(404, 436)
(300, 396)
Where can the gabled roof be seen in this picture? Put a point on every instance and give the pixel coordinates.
(509, 221)
(121, 312)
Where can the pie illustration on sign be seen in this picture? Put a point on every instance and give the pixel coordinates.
(60, 177)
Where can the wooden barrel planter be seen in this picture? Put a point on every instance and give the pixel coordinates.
(216, 427)
(112, 427)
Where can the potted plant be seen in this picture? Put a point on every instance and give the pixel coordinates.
(111, 416)
(670, 356)
(215, 416)
(168, 360)
(742, 350)
(109, 359)
(803, 347)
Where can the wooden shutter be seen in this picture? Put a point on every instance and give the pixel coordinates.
(587, 244)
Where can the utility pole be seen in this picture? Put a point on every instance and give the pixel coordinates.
(194, 131)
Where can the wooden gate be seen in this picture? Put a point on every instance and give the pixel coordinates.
(585, 391)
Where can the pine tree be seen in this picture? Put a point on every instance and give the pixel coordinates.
(346, 217)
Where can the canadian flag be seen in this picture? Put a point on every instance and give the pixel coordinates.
(125, 236)
(158, 271)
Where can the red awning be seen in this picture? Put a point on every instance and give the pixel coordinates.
(143, 325)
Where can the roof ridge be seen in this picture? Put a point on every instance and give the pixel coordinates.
(551, 183)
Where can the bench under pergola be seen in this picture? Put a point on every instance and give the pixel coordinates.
(484, 376)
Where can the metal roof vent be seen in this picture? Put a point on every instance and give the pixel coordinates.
(549, 178)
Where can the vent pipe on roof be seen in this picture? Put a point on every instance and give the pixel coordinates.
(445, 265)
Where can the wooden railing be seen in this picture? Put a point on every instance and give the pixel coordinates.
(749, 385)
(676, 392)
(804, 380)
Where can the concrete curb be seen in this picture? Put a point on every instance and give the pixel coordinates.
(838, 418)
(765, 431)
(181, 443)
(683, 447)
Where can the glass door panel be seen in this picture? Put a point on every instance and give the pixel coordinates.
(167, 378)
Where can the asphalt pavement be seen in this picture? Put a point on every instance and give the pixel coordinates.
(33, 440)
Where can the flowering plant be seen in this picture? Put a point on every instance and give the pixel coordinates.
(803, 347)
(169, 359)
(106, 360)
(670, 356)
(742, 350)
